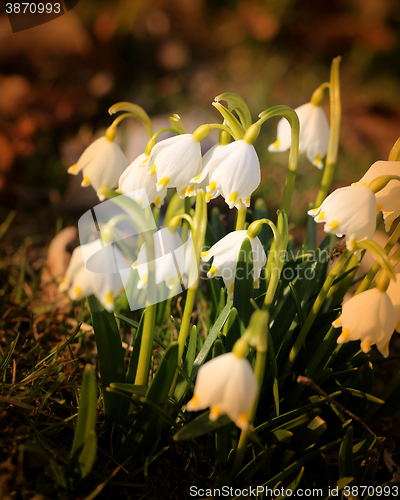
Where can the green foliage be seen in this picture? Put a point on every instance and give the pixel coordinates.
(84, 446)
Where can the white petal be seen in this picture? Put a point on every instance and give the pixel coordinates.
(351, 211)
(388, 197)
(235, 170)
(393, 292)
(135, 178)
(211, 382)
(241, 390)
(284, 139)
(369, 317)
(104, 165)
(178, 159)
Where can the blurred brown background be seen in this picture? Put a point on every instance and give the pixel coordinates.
(58, 80)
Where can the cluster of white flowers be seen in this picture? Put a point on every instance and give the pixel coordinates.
(373, 315)
(227, 384)
(233, 171)
(352, 210)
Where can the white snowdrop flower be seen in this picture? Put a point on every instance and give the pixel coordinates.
(201, 181)
(169, 259)
(102, 164)
(135, 178)
(234, 172)
(314, 134)
(349, 211)
(394, 293)
(388, 198)
(226, 254)
(369, 317)
(80, 282)
(175, 161)
(228, 386)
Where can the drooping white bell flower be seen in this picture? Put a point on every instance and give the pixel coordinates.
(369, 317)
(394, 293)
(81, 282)
(169, 253)
(201, 181)
(349, 211)
(234, 172)
(228, 386)
(226, 254)
(135, 178)
(388, 198)
(314, 134)
(175, 161)
(102, 164)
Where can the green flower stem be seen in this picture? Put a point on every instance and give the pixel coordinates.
(381, 182)
(276, 258)
(395, 258)
(199, 226)
(199, 233)
(394, 154)
(272, 285)
(186, 319)
(153, 139)
(293, 119)
(135, 111)
(238, 104)
(318, 94)
(175, 220)
(236, 128)
(201, 132)
(146, 346)
(187, 204)
(111, 132)
(224, 137)
(366, 282)
(241, 218)
(109, 235)
(301, 338)
(176, 124)
(333, 146)
(144, 226)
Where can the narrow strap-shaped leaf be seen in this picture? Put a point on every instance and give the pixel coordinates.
(212, 335)
(111, 361)
(292, 486)
(245, 475)
(191, 351)
(244, 283)
(131, 374)
(201, 425)
(362, 449)
(8, 353)
(84, 446)
(345, 461)
(157, 394)
(232, 330)
(161, 383)
(187, 367)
